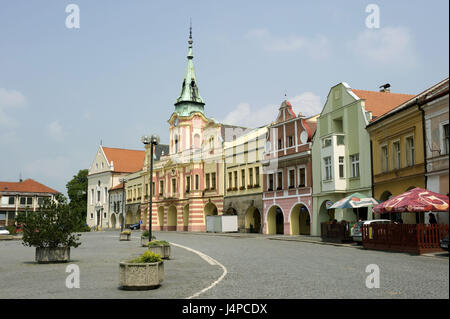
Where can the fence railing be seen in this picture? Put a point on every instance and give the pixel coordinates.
(413, 238)
(338, 232)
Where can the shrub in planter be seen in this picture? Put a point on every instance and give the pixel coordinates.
(161, 247)
(125, 235)
(144, 238)
(51, 229)
(144, 272)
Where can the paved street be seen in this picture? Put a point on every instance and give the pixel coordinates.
(255, 266)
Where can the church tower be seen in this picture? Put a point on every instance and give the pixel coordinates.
(189, 100)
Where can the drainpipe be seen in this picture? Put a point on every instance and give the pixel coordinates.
(424, 141)
(371, 171)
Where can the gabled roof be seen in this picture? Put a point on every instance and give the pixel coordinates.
(124, 160)
(27, 186)
(380, 103)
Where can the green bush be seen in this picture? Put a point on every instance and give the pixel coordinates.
(11, 229)
(147, 257)
(155, 243)
(126, 232)
(52, 225)
(145, 235)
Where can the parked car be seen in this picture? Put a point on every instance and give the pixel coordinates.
(3, 231)
(443, 243)
(135, 226)
(357, 228)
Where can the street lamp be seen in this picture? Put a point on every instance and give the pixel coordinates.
(123, 181)
(152, 140)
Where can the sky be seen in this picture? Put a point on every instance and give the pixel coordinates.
(63, 91)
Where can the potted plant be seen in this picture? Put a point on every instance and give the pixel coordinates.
(161, 247)
(144, 272)
(51, 229)
(144, 238)
(125, 235)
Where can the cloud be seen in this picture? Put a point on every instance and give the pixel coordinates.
(55, 131)
(53, 170)
(316, 47)
(245, 115)
(389, 45)
(10, 99)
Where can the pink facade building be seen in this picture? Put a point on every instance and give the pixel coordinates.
(287, 168)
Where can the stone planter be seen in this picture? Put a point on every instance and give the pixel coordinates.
(144, 241)
(163, 250)
(125, 237)
(140, 276)
(52, 255)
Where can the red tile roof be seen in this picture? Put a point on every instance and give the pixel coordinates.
(125, 161)
(380, 103)
(27, 186)
(119, 186)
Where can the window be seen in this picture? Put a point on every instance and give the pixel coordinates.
(410, 151)
(280, 144)
(446, 147)
(29, 200)
(257, 175)
(207, 180)
(197, 184)
(92, 196)
(22, 200)
(174, 186)
(230, 180)
(250, 176)
(384, 159)
(188, 184)
(291, 178)
(301, 177)
(396, 155)
(40, 201)
(327, 165)
(279, 180)
(235, 179)
(105, 195)
(153, 188)
(270, 182)
(354, 159)
(341, 167)
(340, 140)
(326, 142)
(161, 187)
(176, 143)
(291, 141)
(243, 178)
(92, 216)
(98, 196)
(11, 200)
(213, 180)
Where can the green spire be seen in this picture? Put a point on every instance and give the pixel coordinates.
(189, 100)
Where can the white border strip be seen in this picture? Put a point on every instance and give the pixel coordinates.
(210, 261)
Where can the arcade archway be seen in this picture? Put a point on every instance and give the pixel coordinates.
(253, 220)
(275, 221)
(300, 221)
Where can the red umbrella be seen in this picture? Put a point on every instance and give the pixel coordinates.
(415, 200)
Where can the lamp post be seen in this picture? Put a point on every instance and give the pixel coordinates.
(152, 140)
(123, 181)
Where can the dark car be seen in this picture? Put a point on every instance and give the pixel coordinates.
(135, 226)
(444, 243)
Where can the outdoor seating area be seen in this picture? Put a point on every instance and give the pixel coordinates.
(338, 232)
(410, 238)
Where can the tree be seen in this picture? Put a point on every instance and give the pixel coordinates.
(77, 191)
(52, 225)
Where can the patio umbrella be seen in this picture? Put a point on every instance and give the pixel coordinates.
(355, 200)
(415, 201)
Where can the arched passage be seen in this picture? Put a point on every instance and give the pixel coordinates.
(113, 221)
(384, 197)
(121, 220)
(144, 217)
(172, 218)
(209, 210)
(253, 220)
(325, 215)
(185, 217)
(161, 217)
(129, 218)
(231, 211)
(300, 221)
(275, 221)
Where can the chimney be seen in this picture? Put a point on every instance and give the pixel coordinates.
(385, 88)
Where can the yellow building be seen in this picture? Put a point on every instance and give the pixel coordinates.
(244, 179)
(397, 145)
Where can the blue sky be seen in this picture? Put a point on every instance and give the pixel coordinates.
(117, 76)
